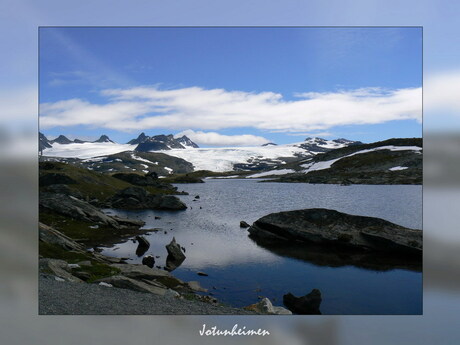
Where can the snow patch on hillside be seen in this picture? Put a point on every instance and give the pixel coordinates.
(273, 172)
(86, 150)
(327, 164)
(222, 159)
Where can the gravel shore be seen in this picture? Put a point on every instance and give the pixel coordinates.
(59, 298)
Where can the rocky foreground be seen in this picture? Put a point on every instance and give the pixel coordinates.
(330, 227)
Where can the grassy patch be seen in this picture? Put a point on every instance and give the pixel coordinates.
(90, 184)
(53, 251)
(97, 271)
(80, 230)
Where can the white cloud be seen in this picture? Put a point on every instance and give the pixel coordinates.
(216, 139)
(201, 109)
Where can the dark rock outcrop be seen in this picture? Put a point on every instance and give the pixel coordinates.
(143, 245)
(43, 142)
(55, 178)
(103, 139)
(330, 227)
(243, 224)
(63, 189)
(148, 260)
(72, 207)
(136, 198)
(150, 179)
(175, 255)
(305, 305)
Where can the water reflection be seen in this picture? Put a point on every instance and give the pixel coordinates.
(338, 257)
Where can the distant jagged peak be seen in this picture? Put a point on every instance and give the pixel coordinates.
(103, 139)
(269, 144)
(62, 139)
(140, 139)
(160, 142)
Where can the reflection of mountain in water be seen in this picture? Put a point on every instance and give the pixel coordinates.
(339, 256)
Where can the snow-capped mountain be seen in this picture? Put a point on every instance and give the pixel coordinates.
(393, 161)
(186, 142)
(257, 158)
(323, 145)
(161, 142)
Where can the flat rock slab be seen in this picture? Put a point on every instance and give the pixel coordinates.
(132, 284)
(325, 226)
(141, 271)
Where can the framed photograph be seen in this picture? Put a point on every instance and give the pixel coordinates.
(230, 170)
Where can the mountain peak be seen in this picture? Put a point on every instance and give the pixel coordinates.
(103, 139)
(62, 139)
(161, 142)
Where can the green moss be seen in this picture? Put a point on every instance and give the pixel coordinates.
(53, 251)
(97, 271)
(80, 230)
(169, 282)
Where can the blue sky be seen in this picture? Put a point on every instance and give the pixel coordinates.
(262, 75)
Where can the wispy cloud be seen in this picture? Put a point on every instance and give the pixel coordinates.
(216, 139)
(213, 109)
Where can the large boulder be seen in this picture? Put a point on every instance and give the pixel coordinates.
(305, 305)
(137, 198)
(75, 208)
(175, 255)
(148, 261)
(323, 226)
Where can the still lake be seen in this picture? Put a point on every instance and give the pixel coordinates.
(240, 270)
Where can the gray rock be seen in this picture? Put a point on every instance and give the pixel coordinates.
(325, 226)
(59, 268)
(132, 284)
(195, 286)
(137, 198)
(74, 208)
(265, 306)
(305, 305)
(170, 202)
(175, 255)
(171, 293)
(50, 235)
(136, 271)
